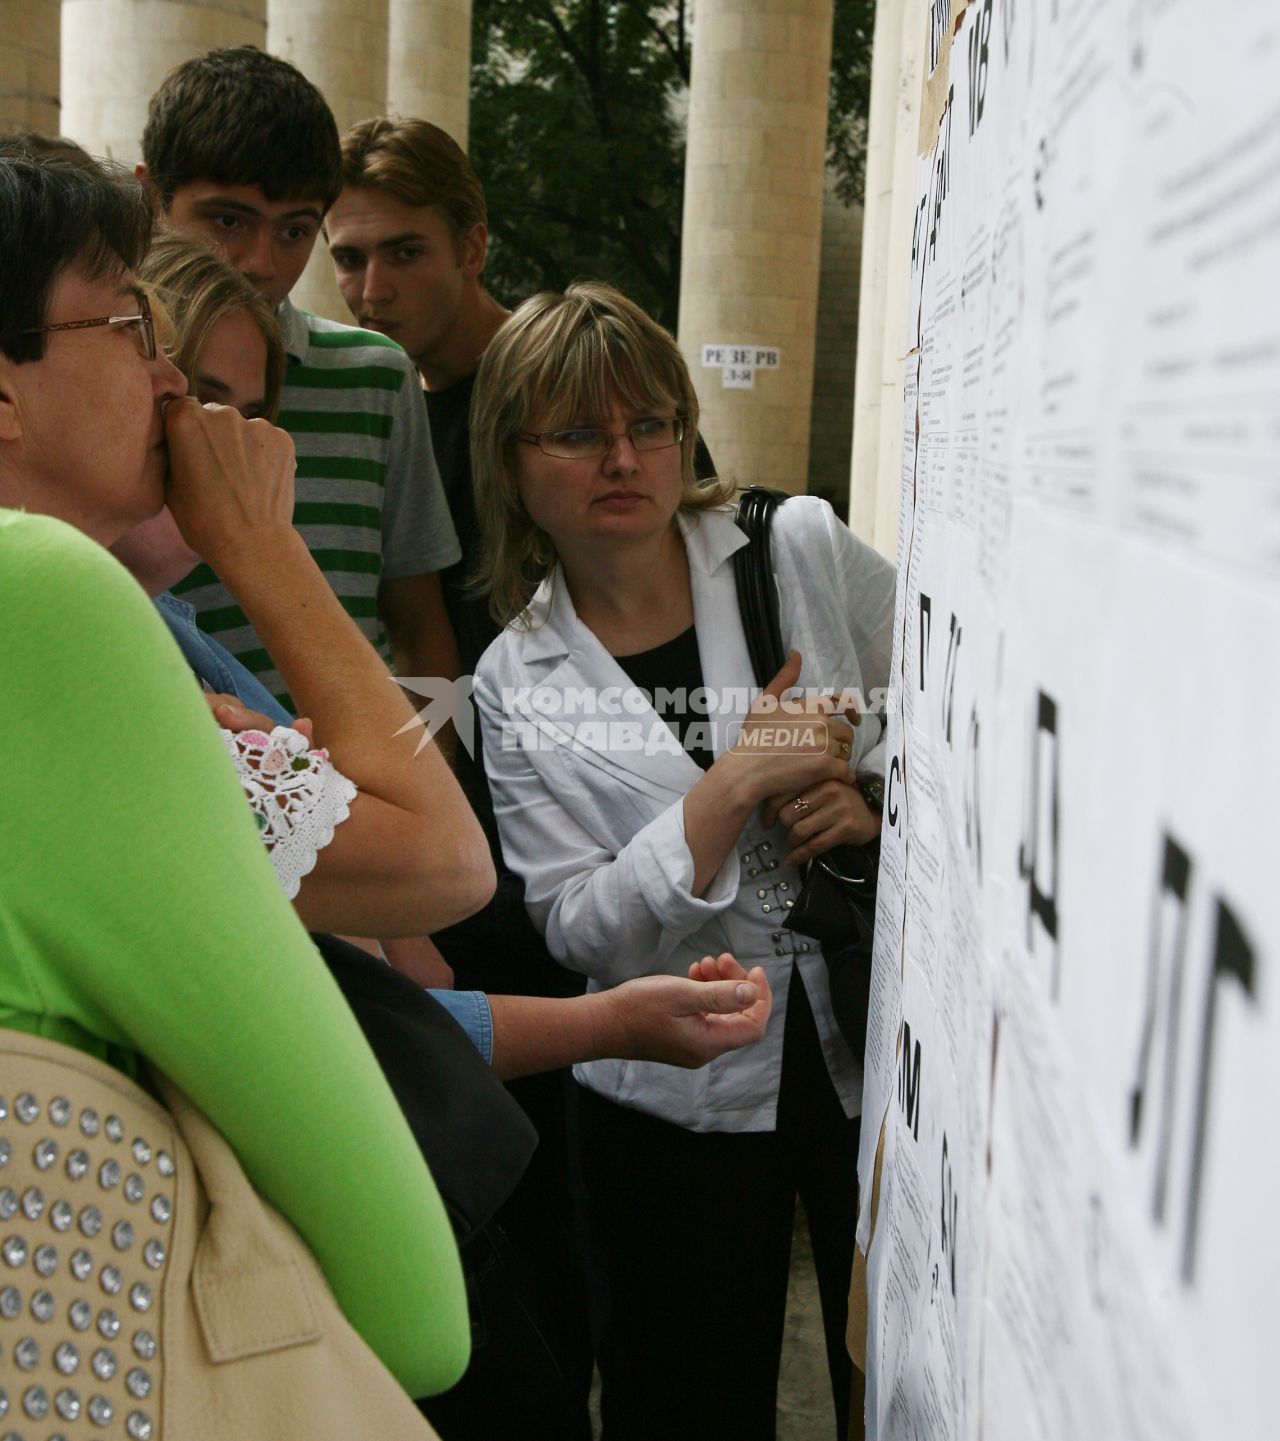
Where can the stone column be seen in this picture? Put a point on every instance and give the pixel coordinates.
(29, 65)
(341, 47)
(897, 75)
(429, 64)
(116, 52)
(752, 226)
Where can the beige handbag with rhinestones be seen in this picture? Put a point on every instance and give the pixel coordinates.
(146, 1290)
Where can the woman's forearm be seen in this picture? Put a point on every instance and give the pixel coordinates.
(544, 1033)
(409, 798)
(715, 811)
(671, 1019)
(333, 673)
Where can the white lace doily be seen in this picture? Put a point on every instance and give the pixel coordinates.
(296, 794)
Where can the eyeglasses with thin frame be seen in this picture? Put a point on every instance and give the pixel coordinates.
(655, 432)
(144, 320)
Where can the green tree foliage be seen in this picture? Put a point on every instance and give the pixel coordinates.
(577, 131)
(850, 98)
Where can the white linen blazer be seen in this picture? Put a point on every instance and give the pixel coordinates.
(593, 821)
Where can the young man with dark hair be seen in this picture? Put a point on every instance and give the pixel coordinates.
(241, 149)
(223, 116)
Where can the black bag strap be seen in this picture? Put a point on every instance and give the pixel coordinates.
(753, 574)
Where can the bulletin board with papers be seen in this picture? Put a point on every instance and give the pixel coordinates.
(1074, 1048)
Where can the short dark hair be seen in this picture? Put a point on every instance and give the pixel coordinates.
(56, 212)
(33, 145)
(419, 164)
(239, 117)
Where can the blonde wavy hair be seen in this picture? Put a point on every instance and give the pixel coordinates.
(558, 358)
(195, 289)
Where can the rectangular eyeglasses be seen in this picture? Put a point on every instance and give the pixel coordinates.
(587, 442)
(143, 320)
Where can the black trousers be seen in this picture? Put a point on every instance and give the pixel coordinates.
(691, 1235)
(531, 1361)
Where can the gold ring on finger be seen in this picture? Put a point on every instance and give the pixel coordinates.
(801, 806)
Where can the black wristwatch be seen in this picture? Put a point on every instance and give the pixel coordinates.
(872, 788)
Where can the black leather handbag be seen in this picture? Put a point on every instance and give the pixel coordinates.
(837, 902)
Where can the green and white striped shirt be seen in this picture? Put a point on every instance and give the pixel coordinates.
(369, 501)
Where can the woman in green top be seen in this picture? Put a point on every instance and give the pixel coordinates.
(139, 915)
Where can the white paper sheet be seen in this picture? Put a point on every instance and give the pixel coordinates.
(1080, 918)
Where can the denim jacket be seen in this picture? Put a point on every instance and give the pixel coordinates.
(217, 667)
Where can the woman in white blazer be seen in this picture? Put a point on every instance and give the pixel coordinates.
(656, 812)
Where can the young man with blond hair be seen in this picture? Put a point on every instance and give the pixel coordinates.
(409, 238)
